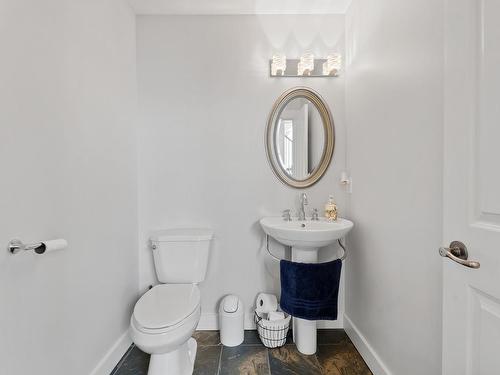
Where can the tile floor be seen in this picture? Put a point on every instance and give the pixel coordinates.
(336, 355)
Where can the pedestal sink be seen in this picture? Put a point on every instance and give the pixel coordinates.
(305, 238)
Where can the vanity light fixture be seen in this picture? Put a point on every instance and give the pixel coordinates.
(332, 65)
(306, 64)
(278, 65)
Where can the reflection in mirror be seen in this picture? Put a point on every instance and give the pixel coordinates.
(299, 138)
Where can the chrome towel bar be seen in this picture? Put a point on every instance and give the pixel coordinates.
(278, 259)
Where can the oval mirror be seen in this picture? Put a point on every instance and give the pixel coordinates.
(300, 137)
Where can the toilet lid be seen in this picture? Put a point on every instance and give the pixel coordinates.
(166, 305)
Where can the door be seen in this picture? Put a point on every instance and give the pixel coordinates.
(471, 297)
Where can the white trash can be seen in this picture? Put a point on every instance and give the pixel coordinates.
(231, 317)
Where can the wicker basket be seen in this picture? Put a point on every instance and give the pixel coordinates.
(272, 333)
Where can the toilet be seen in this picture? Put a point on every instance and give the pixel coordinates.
(166, 316)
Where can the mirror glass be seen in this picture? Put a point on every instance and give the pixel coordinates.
(300, 137)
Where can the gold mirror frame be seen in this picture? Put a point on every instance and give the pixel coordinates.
(328, 127)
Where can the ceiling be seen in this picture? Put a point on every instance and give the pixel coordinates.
(151, 7)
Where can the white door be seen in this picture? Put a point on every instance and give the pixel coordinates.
(471, 297)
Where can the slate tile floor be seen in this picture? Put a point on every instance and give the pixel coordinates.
(336, 355)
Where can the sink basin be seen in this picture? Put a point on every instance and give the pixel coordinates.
(307, 235)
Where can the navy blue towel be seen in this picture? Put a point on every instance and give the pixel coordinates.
(310, 290)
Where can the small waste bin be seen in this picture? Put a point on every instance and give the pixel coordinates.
(231, 316)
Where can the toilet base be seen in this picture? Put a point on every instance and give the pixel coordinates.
(177, 362)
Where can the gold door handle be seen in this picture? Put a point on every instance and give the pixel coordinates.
(458, 253)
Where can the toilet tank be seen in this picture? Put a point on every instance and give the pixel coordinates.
(181, 255)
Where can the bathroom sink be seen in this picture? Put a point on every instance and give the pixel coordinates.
(306, 235)
(305, 238)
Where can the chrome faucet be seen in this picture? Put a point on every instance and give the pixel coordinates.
(303, 204)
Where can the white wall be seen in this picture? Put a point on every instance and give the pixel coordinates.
(205, 95)
(394, 110)
(68, 165)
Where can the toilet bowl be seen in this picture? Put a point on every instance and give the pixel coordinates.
(162, 324)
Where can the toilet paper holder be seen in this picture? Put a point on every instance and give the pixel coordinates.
(15, 246)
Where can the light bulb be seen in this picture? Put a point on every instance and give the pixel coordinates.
(306, 64)
(278, 65)
(332, 65)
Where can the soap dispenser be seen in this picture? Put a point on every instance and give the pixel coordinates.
(331, 209)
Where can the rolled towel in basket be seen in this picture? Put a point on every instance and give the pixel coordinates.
(276, 315)
(310, 290)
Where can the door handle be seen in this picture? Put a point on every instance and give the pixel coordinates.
(458, 253)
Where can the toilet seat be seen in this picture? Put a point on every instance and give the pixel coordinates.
(165, 307)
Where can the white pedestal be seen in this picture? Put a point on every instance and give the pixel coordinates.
(304, 331)
(177, 362)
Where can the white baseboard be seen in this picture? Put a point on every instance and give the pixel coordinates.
(370, 356)
(330, 324)
(210, 322)
(113, 356)
(249, 321)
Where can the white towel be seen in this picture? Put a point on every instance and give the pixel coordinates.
(276, 315)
